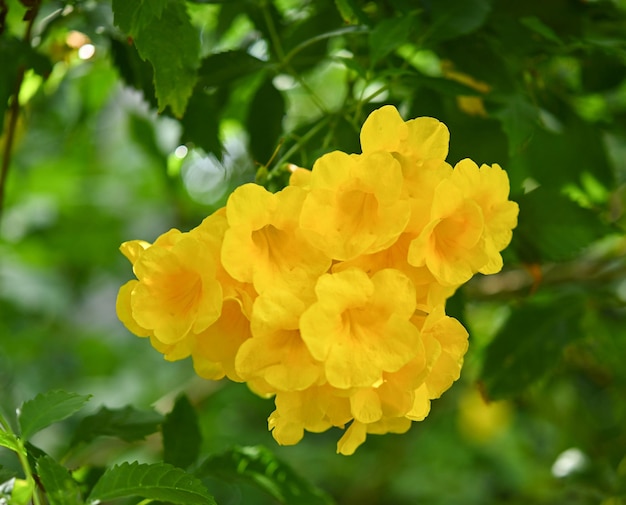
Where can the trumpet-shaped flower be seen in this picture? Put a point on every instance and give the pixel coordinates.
(276, 352)
(355, 204)
(450, 245)
(488, 186)
(359, 326)
(418, 139)
(263, 244)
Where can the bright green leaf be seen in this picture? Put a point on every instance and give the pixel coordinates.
(8, 440)
(350, 12)
(126, 423)
(60, 488)
(260, 467)
(265, 120)
(158, 481)
(48, 408)
(530, 344)
(181, 434)
(388, 35)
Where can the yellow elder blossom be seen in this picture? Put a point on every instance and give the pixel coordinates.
(330, 294)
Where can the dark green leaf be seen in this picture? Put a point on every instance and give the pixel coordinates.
(265, 121)
(452, 18)
(536, 25)
(553, 228)
(531, 344)
(48, 408)
(60, 488)
(126, 423)
(6, 474)
(260, 467)
(164, 35)
(519, 119)
(388, 35)
(158, 481)
(224, 68)
(201, 122)
(181, 434)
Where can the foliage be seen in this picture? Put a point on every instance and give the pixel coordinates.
(245, 89)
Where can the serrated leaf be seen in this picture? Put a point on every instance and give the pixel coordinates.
(8, 440)
(519, 119)
(265, 119)
(48, 408)
(158, 481)
(181, 434)
(388, 35)
(60, 488)
(530, 344)
(164, 36)
(260, 467)
(128, 424)
(221, 68)
(553, 228)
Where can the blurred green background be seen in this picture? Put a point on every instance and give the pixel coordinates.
(245, 87)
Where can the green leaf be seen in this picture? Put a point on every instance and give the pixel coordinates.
(531, 343)
(16, 54)
(553, 228)
(265, 121)
(181, 434)
(126, 423)
(388, 35)
(158, 481)
(223, 68)
(519, 119)
(201, 122)
(9, 441)
(453, 18)
(48, 408)
(260, 467)
(534, 24)
(60, 488)
(164, 36)
(350, 12)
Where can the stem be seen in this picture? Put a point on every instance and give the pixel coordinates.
(301, 141)
(21, 454)
(14, 111)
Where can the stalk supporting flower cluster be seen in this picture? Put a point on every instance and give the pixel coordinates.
(330, 294)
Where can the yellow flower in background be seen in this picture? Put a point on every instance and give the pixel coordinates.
(354, 204)
(359, 326)
(330, 294)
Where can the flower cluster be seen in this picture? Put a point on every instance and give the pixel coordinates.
(330, 294)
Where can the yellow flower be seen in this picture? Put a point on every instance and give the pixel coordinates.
(276, 352)
(314, 409)
(445, 340)
(357, 432)
(359, 327)
(263, 244)
(488, 186)
(422, 138)
(355, 204)
(450, 245)
(176, 292)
